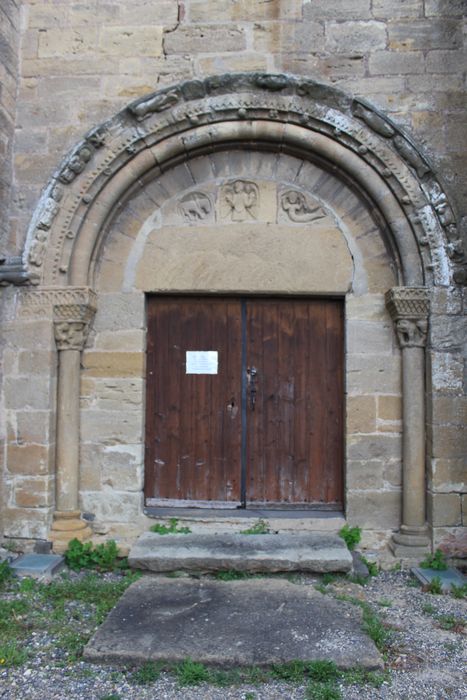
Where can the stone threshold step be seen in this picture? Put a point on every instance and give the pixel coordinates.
(313, 552)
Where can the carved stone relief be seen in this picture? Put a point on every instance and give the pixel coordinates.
(195, 207)
(240, 201)
(409, 308)
(306, 103)
(157, 103)
(298, 208)
(70, 335)
(411, 333)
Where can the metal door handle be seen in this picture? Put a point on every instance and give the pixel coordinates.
(252, 374)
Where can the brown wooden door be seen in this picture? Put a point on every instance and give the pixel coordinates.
(259, 423)
(193, 420)
(294, 429)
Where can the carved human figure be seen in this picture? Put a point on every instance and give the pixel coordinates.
(412, 333)
(241, 198)
(38, 248)
(298, 209)
(70, 335)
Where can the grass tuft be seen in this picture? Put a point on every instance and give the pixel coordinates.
(261, 527)
(171, 528)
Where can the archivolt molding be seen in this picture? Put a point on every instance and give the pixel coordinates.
(270, 111)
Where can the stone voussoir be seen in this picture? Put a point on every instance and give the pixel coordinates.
(314, 552)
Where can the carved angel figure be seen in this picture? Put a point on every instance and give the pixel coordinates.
(241, 198)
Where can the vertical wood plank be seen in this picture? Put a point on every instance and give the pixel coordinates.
(192, 438)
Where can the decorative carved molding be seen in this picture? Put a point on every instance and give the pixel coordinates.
(43, 301)
(298, 208)
(409, 308)
(408, 302)
(72, 319)
(286, 101)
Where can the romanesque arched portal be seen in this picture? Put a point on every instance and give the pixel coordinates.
(242, 184)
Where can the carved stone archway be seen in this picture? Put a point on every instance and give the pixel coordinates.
(276, 113)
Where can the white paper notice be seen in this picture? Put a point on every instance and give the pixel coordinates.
(201, 361)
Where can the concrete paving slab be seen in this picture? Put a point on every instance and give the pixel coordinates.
(316, 552)
(237, 623)
(447, 577)
(38, 565)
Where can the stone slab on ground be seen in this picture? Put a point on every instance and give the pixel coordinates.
(37, 565)
(447, 577)
(236, 623)
(317, 552)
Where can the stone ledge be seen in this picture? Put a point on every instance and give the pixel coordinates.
(251, 553)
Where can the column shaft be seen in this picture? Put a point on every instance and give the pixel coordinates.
(413, 497)
(67, 455)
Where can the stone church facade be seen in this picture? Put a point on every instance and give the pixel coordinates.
(200, 150)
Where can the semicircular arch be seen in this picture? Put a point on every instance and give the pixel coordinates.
(281, 113)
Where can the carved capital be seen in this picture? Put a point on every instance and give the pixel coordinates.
(409, 308)
(73, 311)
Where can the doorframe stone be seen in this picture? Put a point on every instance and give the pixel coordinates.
(277, 112)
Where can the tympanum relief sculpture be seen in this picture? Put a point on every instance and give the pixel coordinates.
(239, 201)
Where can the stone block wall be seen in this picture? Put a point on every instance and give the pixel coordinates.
(447, 420)
(69, 65)
(28, 427)
(9, 59)
(82, 62)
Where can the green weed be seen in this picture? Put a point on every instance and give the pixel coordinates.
(459, 591)
(372, 567)
(149, 672)
(190, 672)
(171, 529)
(84, 555)
(358, 676)
(261, 527)
(11, 654)
(436, 561)
(231, 575)
(385, 603)
(250, 696)
(351, 536)
(329, 578)
(112, 696)
(428, 608)
(451, 623)
(435, 586)
(374, 628)
(5, 572)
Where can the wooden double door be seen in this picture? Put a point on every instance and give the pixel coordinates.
(244, 402)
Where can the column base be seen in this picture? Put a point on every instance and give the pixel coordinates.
(410, 542)
(66, 526)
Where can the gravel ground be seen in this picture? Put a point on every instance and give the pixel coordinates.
(425, 662)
